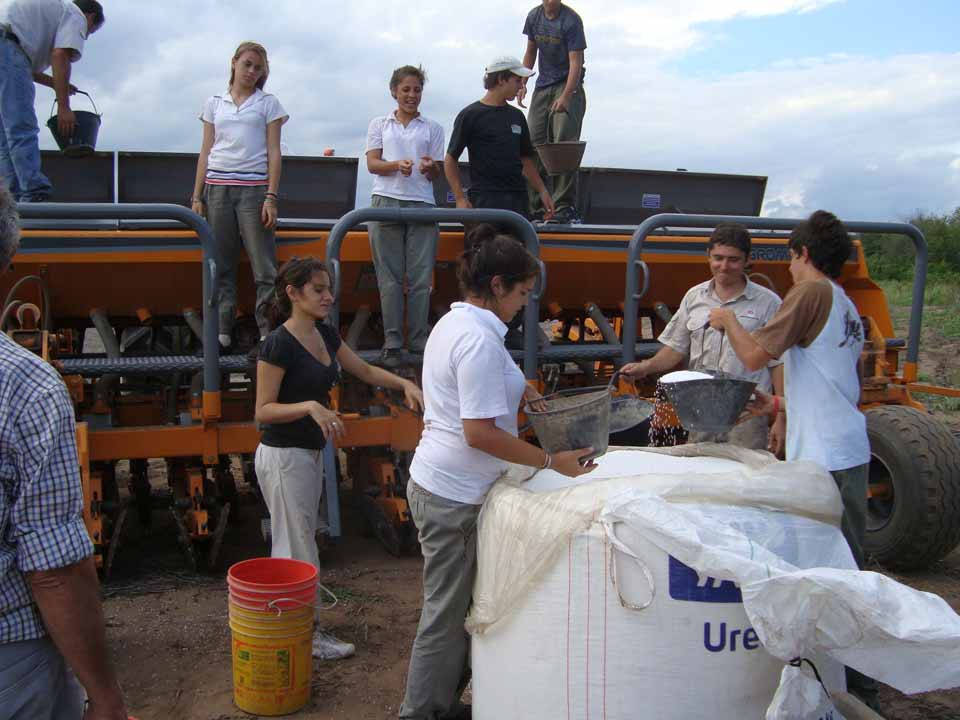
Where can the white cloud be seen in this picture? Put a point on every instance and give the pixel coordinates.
(813, 125)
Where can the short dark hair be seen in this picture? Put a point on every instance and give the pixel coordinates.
(9, 228)
(491, 80)
(298, 272)
(491, 253)
(94, 8)
(407, 71)
(732, 235)
(827, 242)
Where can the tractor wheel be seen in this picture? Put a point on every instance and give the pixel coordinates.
(913, 512)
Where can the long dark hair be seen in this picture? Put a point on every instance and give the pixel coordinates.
(490, 253)
(296, 272)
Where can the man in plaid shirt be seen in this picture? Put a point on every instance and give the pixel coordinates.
(51, 622)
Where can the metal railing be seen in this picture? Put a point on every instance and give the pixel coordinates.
(521, 226)
(635, 265)
(111, 211)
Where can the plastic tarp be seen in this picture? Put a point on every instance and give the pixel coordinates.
(902, 637)
(527, 518)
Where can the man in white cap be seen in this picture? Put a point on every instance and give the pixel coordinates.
(498, 140)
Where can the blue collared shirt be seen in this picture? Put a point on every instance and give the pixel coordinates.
(41, 497)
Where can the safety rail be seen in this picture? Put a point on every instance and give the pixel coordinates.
(518, 223)
(666, 220)
(143, 211)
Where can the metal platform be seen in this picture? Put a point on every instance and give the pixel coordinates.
(160, 364)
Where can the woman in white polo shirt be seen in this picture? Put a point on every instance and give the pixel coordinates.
(472, 392)
(404, 153)
(238, 174)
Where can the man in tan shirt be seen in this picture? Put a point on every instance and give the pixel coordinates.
(689, 339)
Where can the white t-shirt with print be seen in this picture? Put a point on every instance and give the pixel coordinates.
(467, 375)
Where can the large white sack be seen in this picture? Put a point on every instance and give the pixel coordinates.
(565, 625)
(902, 637)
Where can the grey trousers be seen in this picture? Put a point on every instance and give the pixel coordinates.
(36, 684)
(233, 212)
(852, 483)
(752, 434)
(545, 127)
(439, 661)
(404, 251)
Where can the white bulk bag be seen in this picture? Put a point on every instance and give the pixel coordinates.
(565, 624)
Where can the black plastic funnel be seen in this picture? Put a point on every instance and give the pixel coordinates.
(709, 405)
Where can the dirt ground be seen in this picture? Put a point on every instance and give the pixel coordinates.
(168, 633)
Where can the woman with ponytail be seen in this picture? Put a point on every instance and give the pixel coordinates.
(237, 180)
(472, 390)
(299, 363)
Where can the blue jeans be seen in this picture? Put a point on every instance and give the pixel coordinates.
(36, 684)
(19, 143)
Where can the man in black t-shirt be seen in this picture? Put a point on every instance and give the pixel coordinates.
(556, 41)
(498, 140)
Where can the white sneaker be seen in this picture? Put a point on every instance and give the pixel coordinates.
(328, 647)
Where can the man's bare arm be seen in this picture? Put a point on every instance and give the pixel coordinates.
(69, 602)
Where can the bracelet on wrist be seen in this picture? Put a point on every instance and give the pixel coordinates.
(547, 461)
(196, 199)
(271, 194)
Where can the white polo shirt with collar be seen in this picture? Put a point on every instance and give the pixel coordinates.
(239, 152)
(688, 332)
(43, 25)
(467, 375)
(421, 137)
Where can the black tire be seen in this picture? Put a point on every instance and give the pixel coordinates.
(913, 518)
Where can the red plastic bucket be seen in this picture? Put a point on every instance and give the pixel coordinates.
(272, 585)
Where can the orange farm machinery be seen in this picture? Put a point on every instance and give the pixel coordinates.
(118, 294)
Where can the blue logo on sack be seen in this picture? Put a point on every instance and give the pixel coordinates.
(686, 585)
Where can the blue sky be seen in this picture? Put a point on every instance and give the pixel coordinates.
(868, 28)
(850, 105)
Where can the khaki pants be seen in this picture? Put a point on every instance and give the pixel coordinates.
(291, 480)
(439, 661)
(404, 251)
(545, 127)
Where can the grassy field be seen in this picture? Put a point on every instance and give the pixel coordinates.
(940, 343)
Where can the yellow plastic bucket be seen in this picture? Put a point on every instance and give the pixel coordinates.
(272, 661)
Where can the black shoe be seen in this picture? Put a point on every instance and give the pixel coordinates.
(391, 357)
(464, 713)
(536, 217)
(566, 216)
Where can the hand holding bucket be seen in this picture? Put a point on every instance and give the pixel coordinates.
(75, 130)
